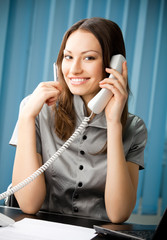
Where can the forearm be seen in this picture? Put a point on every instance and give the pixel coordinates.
(31, 197)
(120, 194)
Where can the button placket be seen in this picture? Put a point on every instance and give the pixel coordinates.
(80, 172)
(82, 153)
(81, 168)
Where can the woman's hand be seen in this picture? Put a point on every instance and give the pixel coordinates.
(118, 87)
(46, 92)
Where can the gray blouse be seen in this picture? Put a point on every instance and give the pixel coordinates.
(76, 180)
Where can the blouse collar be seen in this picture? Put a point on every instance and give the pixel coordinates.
(98, 121)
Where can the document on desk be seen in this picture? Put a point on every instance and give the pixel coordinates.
(27, 229)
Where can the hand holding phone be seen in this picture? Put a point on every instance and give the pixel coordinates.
(98, 103)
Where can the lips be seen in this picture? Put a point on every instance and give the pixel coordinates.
(78, 81)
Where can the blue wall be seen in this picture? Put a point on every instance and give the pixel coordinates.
(30, 35)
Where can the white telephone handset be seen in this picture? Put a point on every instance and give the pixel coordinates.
(98, 103)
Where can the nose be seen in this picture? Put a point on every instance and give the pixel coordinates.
(76, 67)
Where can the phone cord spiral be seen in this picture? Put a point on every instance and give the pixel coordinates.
(45, 166)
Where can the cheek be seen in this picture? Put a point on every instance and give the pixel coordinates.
(98, 72)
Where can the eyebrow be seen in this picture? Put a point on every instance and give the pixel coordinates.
(84, 51)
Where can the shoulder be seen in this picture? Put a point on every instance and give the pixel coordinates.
(135, 139)
(135, 129)
(135, 123)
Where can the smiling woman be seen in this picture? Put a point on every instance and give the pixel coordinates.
(101, 185)
(83, 67)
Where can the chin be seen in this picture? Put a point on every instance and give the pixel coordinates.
(77, 92)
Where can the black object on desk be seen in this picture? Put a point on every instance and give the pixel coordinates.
(135, 231)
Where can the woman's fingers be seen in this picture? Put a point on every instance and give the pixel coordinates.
(46, 92)
(50, 85)
(51, 101)
(110, 83)
(121, 77)
(119, 82)
(125, 71)
(117, 85)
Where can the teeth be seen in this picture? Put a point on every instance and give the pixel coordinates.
(78, 80)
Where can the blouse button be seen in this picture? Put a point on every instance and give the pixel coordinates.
(81, 167)
(80, 184)
(75, 209)
(84, 137)
(76, 195)
(82, 152)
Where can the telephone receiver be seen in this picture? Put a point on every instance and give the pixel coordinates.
(98, 103)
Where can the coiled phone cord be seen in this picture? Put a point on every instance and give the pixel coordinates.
(45, 166)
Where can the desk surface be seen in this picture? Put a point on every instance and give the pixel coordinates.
(17, 215)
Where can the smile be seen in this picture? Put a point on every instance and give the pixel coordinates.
(78, 81)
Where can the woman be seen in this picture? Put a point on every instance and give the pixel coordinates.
(98, 175)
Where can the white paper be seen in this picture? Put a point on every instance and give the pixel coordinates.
(33, 229)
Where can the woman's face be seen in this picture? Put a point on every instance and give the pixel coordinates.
(82, 64)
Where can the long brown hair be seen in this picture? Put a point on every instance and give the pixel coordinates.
(111, 40)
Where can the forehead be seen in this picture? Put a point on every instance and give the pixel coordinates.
(82, 40)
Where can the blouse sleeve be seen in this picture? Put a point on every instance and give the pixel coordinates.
(14, 138)
(138, 143)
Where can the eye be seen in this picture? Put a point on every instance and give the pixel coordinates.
(68, 57)
(89, 58)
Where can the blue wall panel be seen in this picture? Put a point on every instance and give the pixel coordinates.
(31, 32)
(13, 80)
(157, 119)
(96, 8)
(78, 10)
(4, 10)
(38, 38)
